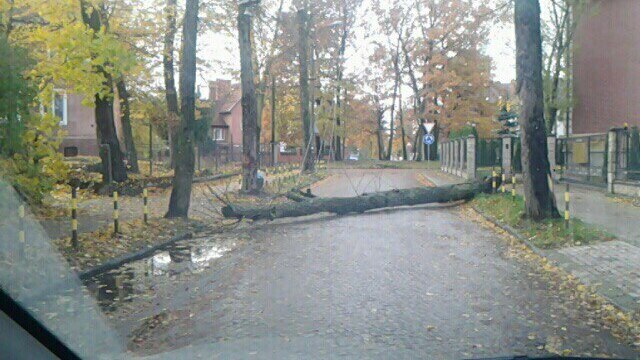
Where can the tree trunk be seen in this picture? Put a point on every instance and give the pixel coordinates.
(304, 206)
(274, 146)
(303, 57)
(184, 156)
(540, 202)
(405, 155)
(171, 94)
(250, 141)
(132, 153)
(105, 123)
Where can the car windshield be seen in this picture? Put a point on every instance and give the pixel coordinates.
(441, 179)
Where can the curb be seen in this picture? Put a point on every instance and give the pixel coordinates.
(619, 302)
(511, 231)
(127, 258)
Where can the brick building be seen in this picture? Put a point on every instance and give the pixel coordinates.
(607, 66)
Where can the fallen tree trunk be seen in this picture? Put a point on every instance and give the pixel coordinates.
(358, 204)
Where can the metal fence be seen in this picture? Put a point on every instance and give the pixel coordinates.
(583, 158)
(627, 154)
(489, 153)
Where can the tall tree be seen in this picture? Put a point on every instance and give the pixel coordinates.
(303, 59)
(250, 143)
(125, 109)
(540, 202)
(171, 94)
(95, 18)
(184, 156)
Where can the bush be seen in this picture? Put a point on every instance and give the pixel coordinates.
(29, 157)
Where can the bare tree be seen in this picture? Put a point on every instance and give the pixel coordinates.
(250, 141)
(184, 156)
(540, 202)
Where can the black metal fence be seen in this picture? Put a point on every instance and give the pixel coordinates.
(628, 154)
(583, 158)
(489, 153)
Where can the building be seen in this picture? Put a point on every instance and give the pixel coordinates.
(226, 126)
(606, 66)
(79, 123)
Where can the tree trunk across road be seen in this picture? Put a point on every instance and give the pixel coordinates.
(359, 204)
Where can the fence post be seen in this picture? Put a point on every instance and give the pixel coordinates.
(74, 217)
(441, 150)
(567, 198)
(145, 195)
(471, 157)
(21, 236)
(507, 145)
(116, 214)
(460, 149)
(456, 153)
(612, 159)
(551, 150)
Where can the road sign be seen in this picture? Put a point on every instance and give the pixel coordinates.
(429, 139)
(429, 127)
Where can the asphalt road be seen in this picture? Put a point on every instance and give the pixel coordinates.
(399, 283)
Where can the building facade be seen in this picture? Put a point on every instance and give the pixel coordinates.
(606, 66)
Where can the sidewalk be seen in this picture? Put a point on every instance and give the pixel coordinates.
(614, 266)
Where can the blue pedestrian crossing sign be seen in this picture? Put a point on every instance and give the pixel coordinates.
(429, 139)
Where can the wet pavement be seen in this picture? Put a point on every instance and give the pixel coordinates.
(397, 283)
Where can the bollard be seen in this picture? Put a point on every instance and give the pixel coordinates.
(145, 195)
(567, 199)
(74, 217)
(116, 220)
(21, 237)
(493, 182)
(504, 183)
(513, 187)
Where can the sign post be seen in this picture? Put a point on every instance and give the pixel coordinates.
(429, 139)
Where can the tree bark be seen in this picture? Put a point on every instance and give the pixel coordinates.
(132, 153)
(250, 140)
(396, 82)
(405, 155)
(540, 202)
(303, 58)
(105, 122)
(274, 146)
(171, 95)
(184, 156)
(339, 141)
(304, 206)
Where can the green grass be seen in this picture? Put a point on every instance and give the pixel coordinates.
(548, 234)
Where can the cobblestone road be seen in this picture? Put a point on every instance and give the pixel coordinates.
(400, 283)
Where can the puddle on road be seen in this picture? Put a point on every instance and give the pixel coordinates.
(124, 284)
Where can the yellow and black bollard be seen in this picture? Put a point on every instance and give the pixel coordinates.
(21, 235)
(74, 217)
(494, 175)
(145, 199)
(504, 183)
(116, 214)
(567, 198)
(513, 186)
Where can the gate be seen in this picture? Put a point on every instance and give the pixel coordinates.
(583, 158)
(628, 154)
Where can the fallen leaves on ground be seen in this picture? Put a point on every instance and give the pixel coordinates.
(623, 325)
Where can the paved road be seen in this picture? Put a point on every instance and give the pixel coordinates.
(400, 283)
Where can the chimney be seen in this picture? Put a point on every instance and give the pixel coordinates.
(219, 89)
(213, 90)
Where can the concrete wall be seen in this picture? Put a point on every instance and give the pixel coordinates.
(607, 66)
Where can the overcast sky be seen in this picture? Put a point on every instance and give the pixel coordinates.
(220, 49)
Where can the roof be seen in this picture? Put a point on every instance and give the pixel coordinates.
(226, 104)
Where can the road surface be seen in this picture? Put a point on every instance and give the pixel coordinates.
(398, 283)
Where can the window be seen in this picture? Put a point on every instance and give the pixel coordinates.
(218, 134)
(59, 106)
